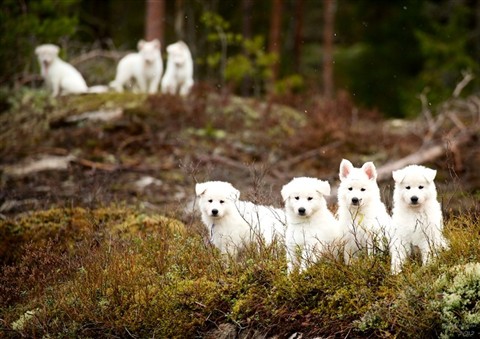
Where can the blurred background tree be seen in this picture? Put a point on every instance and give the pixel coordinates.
(383, 53)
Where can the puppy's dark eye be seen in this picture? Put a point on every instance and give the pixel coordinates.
(350, 188)
(210, 200)
(408, 187)
(297, 198)
(420, 187)
(221, 201)
(362, 189)
(309, 198)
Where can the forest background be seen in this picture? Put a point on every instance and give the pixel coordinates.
(384, 54)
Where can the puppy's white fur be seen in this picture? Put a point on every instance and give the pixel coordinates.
(417, 215)
(311, 227)
(178, 76)
(145, 68)
(60, 76)
(361, 210)
(233, 223)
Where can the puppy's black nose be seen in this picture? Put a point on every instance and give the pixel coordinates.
(214, 212)
(301, 211)
(355, 200)
(414, 199)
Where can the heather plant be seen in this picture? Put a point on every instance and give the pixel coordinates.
(118, 271)
(459, 301)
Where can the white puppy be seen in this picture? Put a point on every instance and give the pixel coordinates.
(417, 215)
(60, 76)
(145, 68)
(311, 227)
(361, 210)
(179, 73)
(233, 223)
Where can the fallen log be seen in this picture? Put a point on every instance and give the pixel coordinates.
(424, 154)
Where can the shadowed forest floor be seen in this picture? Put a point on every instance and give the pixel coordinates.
(98, 234)
(149, 151)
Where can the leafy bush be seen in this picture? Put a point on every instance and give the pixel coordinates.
(249, 61)
(31, 24)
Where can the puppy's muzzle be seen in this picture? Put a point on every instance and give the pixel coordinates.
(302, 211)
(215, 212)
(414, 200)
(355, 201)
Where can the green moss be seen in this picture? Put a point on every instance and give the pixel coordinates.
(131, 273)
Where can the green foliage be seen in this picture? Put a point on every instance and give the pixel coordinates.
(290, 84)
(400, 49)
(446, 49)
(28, 24)
(249, 59)
(378, 64)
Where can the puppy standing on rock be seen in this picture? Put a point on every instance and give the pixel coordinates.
(311, 227)
(145, 68)
(179, 74)
(361, 210)
(233, 223)
(417, 215)
(60, 76)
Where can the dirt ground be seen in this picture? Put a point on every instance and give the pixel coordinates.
(93, 150)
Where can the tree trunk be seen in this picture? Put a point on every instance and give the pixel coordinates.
(298, 35)
(155, 20)
(328, 33)
(179, 20)
(247, 34)
(275, 29)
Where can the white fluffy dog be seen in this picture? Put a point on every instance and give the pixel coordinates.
(145, 68)
(311, 227)
(233, 223)
(361, 210)
(179, 73)
(60, 76)
(417, 215)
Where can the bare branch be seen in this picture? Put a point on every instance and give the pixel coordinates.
(467, 77)
(97, 53)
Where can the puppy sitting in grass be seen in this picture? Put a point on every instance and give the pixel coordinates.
(61, 77)
(178, 77)
(233, 223)
(311, 227)
(361, 211)
(142, 71)
(417, 215)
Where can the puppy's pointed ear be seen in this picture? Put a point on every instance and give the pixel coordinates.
(398, 176)
(140, 44)
(200, 189)
(430, 174)
(156, 43)
(323, 187)
(370, 170)
(345, 169)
